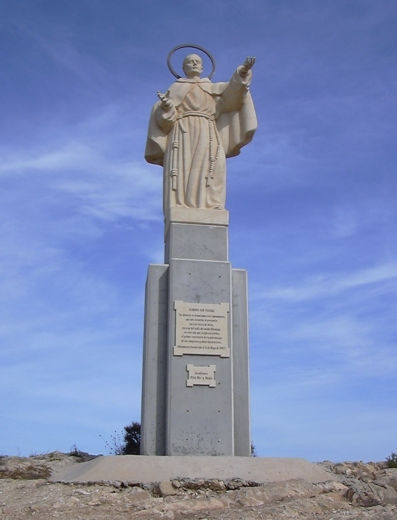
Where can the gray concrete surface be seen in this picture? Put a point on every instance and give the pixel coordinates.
(136, 468)
(199, 242)
(199, 419)
(181, 419)
(154, 373)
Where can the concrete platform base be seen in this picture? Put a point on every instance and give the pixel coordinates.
(141, 469)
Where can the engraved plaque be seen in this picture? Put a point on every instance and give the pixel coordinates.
(201, 375)
(201, 329)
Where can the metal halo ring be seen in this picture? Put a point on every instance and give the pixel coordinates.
(190, 45)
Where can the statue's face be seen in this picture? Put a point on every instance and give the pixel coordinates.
(192, 65)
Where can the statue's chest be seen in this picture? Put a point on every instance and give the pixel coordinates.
(197, 100)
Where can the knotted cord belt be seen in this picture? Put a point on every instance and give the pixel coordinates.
(211, 117)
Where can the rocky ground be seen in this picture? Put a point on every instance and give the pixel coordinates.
(355, 490)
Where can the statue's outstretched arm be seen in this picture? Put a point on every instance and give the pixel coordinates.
(233, 95)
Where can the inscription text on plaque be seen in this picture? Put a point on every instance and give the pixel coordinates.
(201, 375)
(201, 329)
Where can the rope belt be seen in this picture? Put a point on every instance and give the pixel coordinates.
(210, 117)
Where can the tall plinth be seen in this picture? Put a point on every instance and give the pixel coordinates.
(195, 387)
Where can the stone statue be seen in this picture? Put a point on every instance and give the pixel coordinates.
(193, 127)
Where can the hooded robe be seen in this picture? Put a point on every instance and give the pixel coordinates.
(207, 123)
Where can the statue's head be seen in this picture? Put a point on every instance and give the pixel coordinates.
(192, 66)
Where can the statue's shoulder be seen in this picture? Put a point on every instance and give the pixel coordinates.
(215, 89)
(178, 88)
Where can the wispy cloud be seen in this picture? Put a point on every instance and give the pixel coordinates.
(329, 330)
(325, 285)
(106, 185)
(116, 190)
(60, 46)
(73, 155)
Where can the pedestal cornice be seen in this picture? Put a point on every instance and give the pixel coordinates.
(214, 217)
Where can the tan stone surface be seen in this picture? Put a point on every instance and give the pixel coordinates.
(193, 127)
(216, 217)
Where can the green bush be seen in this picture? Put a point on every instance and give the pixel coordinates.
(130, 444)
(132, 439)
(391, 461)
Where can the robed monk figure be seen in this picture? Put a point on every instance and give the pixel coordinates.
(194, 127)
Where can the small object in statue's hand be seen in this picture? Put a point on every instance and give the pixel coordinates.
(249, 62)
(166, 103)
(161, 96)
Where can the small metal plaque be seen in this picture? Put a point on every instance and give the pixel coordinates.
(201, 329)
(201, 375)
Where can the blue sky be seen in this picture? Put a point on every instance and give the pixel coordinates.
(312, 206)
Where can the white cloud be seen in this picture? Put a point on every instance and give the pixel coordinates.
(73, 155)
(321, 286)
(58, 44)
(116, 190)
(106, 188)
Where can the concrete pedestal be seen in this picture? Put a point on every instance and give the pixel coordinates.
(133, 469)
(195, 398)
